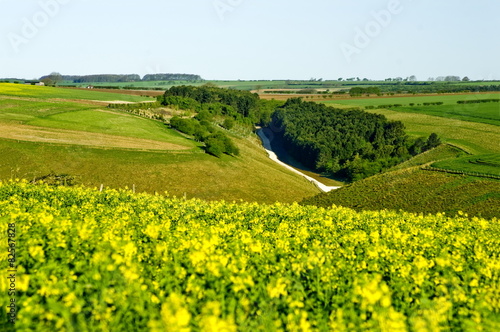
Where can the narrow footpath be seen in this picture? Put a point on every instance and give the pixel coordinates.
(267, 146)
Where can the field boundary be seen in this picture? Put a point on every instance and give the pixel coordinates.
(451, 171)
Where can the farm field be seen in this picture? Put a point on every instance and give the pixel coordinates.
(419, 191)
(473, 137)
(42, 92)
(78, 117)
(234, 84)
(447, 99)
(90, 260)
(487, 164)
(92, 145)
(407, 187)
(488, 113)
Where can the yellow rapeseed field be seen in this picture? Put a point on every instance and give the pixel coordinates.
(87, 260)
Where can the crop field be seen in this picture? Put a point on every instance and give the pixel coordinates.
(488, 113)
(417, 190)
(89, 260)
(447, 99)
(42, 92)
(487, 164)
(233, 84)
(473, 137)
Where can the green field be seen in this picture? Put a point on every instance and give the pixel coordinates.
(472, 127)
(486, 164)
(95, 145)
(233, 84)
(116, 261)
(418, 191)
(407, 187)
(447, 99)
(488, 113)
(43, 92)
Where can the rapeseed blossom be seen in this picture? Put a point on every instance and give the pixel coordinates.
(118, 261)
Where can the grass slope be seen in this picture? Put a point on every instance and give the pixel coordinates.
(50, 114)
(251, 177)
(486, 164)
(416, 190)
(407, 187)
(41, 136)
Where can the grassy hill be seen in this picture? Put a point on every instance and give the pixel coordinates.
(409, 188)
(44, 133)
(112, 260)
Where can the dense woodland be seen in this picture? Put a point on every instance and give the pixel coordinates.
(349, 143)
(352, 144)
(241, 106)
(230, 107)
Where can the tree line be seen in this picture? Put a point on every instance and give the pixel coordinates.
(352, 144)
(478, 101)
(112, 78)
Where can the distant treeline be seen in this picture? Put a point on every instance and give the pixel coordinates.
(437, 87)
(349, 143)
(111, 78)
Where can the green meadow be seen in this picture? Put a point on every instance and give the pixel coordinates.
(45, 133)
(486, 164)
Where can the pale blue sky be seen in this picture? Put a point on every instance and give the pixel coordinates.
(251, 39)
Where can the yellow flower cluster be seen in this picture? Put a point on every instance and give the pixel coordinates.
(118, 261)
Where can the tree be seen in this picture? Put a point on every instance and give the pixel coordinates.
(412, 78)
(47, 81)
(228, 124)
(215, 147)
(465, 79)
(55, 77)
(417, 147)
(432, 142)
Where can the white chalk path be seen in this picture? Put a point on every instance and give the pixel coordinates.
(267, 146)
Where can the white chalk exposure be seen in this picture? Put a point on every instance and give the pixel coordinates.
(267, 146)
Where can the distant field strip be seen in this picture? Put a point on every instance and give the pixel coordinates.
(74, 137)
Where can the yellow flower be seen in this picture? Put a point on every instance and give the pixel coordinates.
(277, 288)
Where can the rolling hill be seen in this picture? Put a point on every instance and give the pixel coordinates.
(51, 131)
